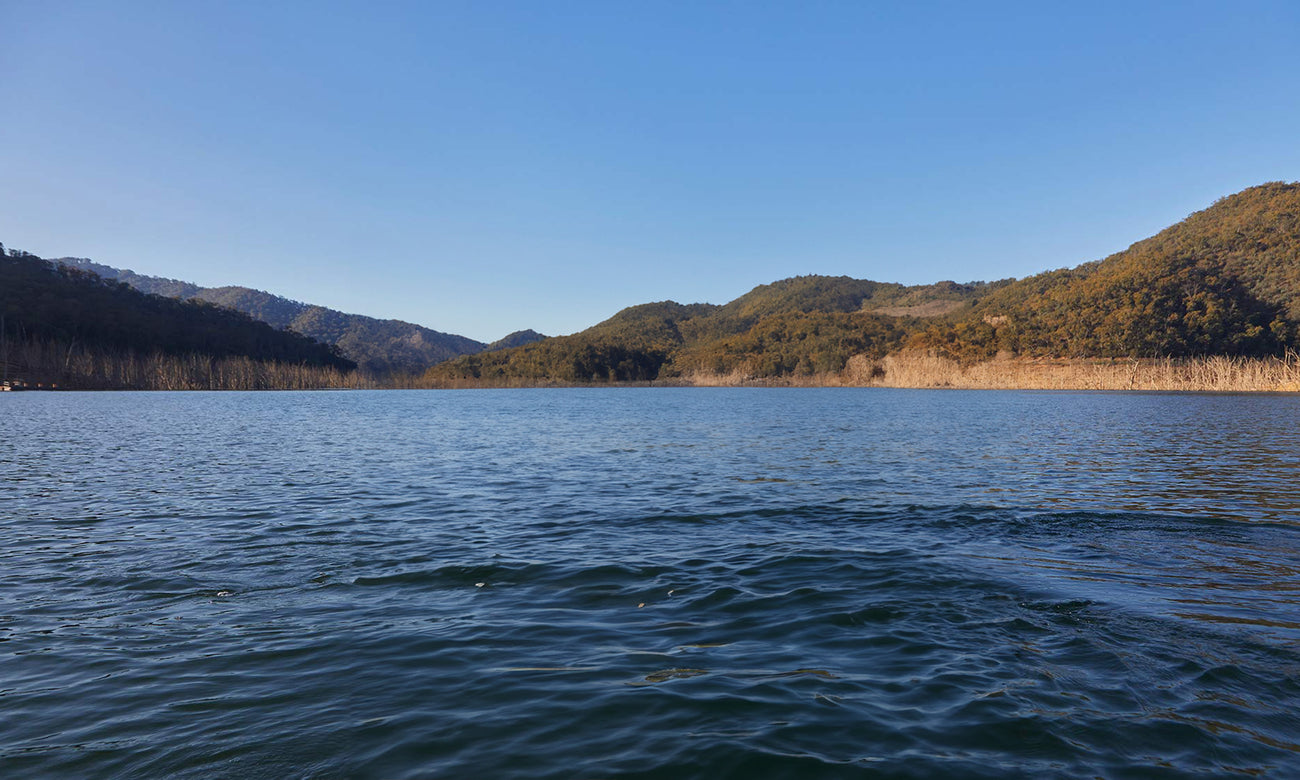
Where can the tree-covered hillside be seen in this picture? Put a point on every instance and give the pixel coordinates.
(631, 346)
(379, 346)
(43, 301)
(1224, 281)
(794, 327)
(516, 339)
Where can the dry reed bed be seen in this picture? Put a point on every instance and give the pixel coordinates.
(74, 367)
(1214, 373)
(919, 370)
(77, 367)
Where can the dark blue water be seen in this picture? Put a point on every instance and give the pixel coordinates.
(649, 584)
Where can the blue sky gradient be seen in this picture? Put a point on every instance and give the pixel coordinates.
(483, 167)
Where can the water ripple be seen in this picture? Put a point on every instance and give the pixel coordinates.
(655, 584)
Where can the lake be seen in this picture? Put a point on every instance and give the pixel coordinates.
(649, 583)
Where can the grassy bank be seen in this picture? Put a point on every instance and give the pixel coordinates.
(1215, 373)
(48, 363)
(919, 370)
(75, 367)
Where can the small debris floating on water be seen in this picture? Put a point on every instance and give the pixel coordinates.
(480, 584)
(664, 675)
(223, 593)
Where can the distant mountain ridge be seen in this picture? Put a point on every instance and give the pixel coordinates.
(380, 346)
(66, 326)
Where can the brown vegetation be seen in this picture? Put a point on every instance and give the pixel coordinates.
(1207, 304)
(60, 364)
(912, 369)
(921, 310)
(1217, 373)
(1214, 373)
(1224, 281)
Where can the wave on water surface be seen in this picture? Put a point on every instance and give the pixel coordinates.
(418, 612)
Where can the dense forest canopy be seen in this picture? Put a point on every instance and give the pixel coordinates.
(795, 327)
(1224, 281)
(47, 301)
(378, 346)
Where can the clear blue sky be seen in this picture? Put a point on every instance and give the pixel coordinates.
(482, 167)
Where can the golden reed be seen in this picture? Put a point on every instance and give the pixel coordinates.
(922, 370)
(1214, 373)
(46, 364)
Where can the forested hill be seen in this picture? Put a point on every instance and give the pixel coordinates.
(1225, 281)
(799, 326)
(516, 339)
(379, 346)
(47, 303)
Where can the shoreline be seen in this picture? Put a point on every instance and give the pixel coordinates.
(923, 371)
(908, 370)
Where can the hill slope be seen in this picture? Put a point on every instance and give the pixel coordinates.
(516, 339)
(798, 326)
(47, 308)
(380, 346)
(1224, 281)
